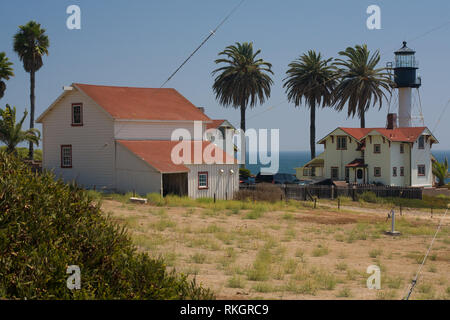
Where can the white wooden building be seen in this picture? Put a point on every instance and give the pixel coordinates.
(119, 139)
(390, 156)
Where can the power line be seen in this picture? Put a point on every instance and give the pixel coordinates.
(414, 281)
(211, 33)
(410, 40)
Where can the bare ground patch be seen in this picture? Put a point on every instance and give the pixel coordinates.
(297, 253)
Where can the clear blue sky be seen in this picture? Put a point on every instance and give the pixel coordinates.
(140, 43)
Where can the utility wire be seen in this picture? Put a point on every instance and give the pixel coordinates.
(414, 281)
(410, 40)
(211, 33)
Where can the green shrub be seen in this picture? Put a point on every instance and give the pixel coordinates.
(262, 192)
(46, 225)
(369, 196)
(245, 173)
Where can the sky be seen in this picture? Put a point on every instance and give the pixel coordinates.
(141, 42)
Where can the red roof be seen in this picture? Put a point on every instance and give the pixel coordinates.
(158, 153)
(356, 163)
(405, 134)
(214, 124)
(143, 103)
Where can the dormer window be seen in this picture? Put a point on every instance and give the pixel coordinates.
(77, 114)
(341, 143)
(422, 142)
(376, 148)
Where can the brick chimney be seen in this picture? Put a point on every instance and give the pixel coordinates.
(391, 121)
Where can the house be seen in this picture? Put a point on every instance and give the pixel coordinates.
(389, 156)
(121, 139)
(223, 130)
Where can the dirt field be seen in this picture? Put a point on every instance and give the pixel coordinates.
(294, 252)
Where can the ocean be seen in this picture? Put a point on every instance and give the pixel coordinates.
(293, 159)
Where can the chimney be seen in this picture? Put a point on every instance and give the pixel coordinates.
(391, 121)
(202, 109)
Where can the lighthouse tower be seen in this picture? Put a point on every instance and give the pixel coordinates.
(405, 78)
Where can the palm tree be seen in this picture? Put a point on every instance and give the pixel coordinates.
(361, 83)
(242, 82)
(31, 43)
(11, 133)
(313, 79)
(440, 171)
(5, 72)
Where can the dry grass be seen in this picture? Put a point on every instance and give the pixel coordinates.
(287, 250)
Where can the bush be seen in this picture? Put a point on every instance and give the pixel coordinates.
(262, 192)
(244, 172)
(46, 225)
(369, 196)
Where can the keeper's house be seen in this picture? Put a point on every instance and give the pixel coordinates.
(119, 139)
(390, 156)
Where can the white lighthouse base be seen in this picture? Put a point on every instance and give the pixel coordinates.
(404, 107)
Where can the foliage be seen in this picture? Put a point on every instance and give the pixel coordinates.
(11, 133)
(31, 43)
(440, 171)
(22, 153)
(313, 79)
(262, 192)
(244, 79)
(46, 225)
(5, 72)
(361, 83)
(244, 172)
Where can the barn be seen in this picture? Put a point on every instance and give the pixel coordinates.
(121, 139)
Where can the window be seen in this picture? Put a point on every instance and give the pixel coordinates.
(305, 172)
(347, 174)
(313, 171)
(77, 114)
(377, 148)
(421, 170)
(377, 172)
(203, 180)
(341, 143)
(402, 148)
(334, 173)
(421, 142)
(402, 171)
(394, 171)
(66, 156)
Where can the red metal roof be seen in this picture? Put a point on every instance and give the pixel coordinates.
(214, 124)
(158, 153)
(143, 103)
(406, 134)
(356, 163)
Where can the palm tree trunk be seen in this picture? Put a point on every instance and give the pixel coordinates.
(243, 142)
(312, 130)
(32, 99)
(363, 119)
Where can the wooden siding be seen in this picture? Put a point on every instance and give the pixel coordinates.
(92, 143)
(135, 130)
(133, 174)
(223, 185)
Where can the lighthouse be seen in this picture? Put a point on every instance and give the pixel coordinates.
(405, 78)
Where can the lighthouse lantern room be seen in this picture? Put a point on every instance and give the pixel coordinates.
(405, 78)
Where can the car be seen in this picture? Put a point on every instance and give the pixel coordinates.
(278, 178)
(246, 180)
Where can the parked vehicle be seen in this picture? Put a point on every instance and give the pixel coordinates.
(278, 178)
(247, 180)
